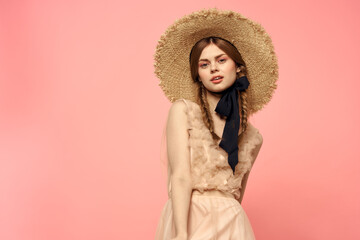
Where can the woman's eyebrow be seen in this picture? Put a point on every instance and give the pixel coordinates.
(215, 57)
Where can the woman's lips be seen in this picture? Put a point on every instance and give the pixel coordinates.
(217, 81)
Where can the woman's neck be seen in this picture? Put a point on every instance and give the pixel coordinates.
(213, 98)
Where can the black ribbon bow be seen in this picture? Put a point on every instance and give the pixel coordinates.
(228, 106)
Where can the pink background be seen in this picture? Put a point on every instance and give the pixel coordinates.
(81, 118)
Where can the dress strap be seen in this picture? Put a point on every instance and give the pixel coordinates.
(185, 101)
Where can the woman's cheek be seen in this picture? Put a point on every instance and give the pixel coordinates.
(202, 75)
(229, 67)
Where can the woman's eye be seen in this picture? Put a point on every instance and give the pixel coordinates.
(203, 65)
(222, 60)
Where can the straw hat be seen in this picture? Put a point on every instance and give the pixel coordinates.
(172, 65)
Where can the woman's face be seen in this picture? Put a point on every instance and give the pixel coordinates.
(215, 64)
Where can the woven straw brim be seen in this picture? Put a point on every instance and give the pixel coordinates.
(250, 38)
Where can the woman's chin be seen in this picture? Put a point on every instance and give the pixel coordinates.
(216, 90)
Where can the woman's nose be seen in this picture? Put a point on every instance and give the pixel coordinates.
(213, 67)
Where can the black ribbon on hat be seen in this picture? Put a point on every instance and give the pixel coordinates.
(228, 106)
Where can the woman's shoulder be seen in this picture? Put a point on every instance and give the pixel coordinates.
(178, 107)
(187, 102)
(181, 110)
(191, 106)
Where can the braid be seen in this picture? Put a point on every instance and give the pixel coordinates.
(244, 113)
(244, 105)
(244, 110)
(206, 115)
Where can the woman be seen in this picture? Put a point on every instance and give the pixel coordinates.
(213, 95)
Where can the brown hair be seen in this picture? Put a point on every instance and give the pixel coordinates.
(234, 54)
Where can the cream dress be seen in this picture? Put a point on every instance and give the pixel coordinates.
(213, 217)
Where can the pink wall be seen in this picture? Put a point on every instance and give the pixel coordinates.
(78, 161)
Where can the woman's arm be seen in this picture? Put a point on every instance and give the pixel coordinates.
(254, 153)
(179, 159)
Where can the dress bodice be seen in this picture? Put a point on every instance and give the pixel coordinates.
(210, 169)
